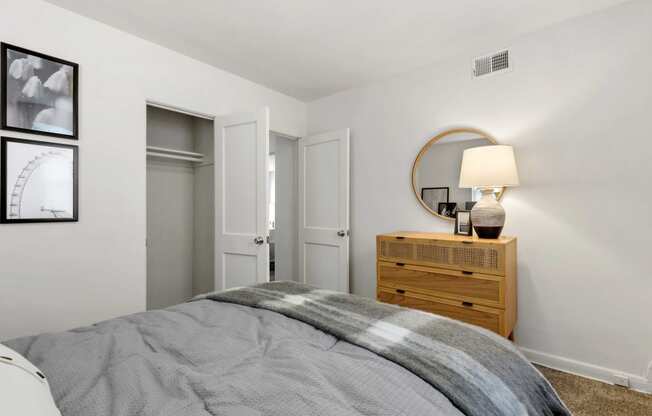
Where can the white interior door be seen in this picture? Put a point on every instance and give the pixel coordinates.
(324, 210)
(241, 247)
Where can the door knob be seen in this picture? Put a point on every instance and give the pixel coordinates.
(342, 233)
(259, 240)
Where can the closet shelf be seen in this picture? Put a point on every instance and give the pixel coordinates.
(167, 153)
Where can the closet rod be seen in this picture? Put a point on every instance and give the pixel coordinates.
(168, 156)
(174, 151)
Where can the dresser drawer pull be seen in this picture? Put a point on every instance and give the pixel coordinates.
(400, 264)
(400, 238)
(467, 242)
(401, 291)
(467, 304)
(465, 272)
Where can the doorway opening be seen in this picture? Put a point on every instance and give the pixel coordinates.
(283, 207)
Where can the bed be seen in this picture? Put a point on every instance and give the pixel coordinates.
(286, 349)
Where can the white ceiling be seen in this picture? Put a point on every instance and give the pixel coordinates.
(313, 48)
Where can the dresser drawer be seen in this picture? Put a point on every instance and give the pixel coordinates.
(484, 317)
(477, 255)
(483, 289)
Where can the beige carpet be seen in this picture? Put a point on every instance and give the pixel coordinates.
(586, 397)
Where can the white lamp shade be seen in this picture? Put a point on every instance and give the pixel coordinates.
(488, 167)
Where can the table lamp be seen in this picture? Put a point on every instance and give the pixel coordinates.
(487, 168)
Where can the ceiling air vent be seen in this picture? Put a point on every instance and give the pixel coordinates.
(488, 64)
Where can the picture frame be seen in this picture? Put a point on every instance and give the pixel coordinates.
(39, 181)
(447, 209)
(39, 93)
(432, 196)
(463, 223)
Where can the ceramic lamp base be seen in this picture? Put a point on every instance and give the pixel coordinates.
(488, 232)
(488, 216)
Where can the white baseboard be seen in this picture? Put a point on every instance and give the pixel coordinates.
(586, 370)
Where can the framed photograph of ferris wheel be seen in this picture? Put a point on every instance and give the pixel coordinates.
(39, 181)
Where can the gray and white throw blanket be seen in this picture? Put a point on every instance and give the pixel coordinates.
(481, 373)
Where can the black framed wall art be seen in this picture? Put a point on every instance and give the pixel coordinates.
(39, 93)
(39, 181)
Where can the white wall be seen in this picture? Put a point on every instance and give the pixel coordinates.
(577, 107)
(58, 276)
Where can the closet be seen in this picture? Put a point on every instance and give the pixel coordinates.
(180, 206)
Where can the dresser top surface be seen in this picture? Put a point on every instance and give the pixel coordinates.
(448, 237)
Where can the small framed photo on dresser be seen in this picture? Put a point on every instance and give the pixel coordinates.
(463, 225)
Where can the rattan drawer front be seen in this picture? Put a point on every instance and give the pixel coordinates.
(450, 284)
(484, 317)
(397, 249)
(476, 256)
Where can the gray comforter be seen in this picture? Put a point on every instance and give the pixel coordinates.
(212, 358)
(215, 357)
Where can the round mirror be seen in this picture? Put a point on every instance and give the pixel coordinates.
(436, 172)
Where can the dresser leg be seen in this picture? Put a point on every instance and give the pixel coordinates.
(511, 336)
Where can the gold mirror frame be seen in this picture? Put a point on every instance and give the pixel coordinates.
(427, 146)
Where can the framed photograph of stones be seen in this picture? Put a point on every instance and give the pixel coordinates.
(39, 181)
(39, 93)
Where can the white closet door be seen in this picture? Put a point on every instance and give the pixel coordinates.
(324, 210)
(241, 248)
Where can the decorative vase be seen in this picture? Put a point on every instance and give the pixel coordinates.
(488, 216)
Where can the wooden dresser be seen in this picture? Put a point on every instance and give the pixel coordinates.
(465, 278)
